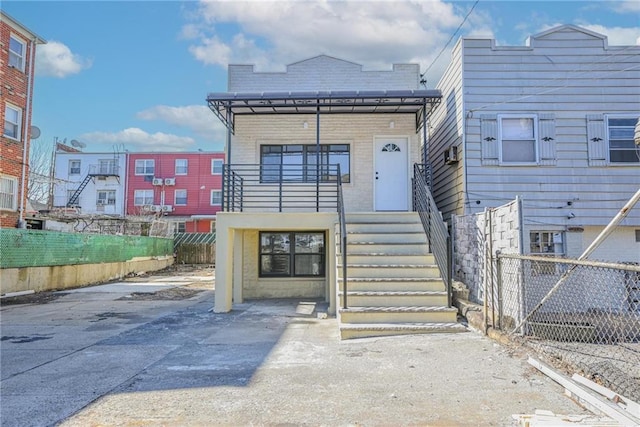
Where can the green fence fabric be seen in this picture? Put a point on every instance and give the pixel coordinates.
(38, 248)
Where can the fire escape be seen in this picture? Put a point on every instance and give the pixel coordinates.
(105, 170)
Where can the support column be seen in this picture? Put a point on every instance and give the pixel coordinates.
(238, 265)
(224, 268)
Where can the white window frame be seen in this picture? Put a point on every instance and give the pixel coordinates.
(534, 119)
(181, 167)
(107, 166)
(211, 198)
(17, 126)
(108, 199)
(607, 117)
(215, 162)
(17, 59)
(74, 170)
(143, 165)
(143, 197)
(8, 193)
(175, 197)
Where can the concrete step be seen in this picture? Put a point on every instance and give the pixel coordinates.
(382, 217)
(382, 271)
(350, 331)
(387, 237)
(394, 298)
(392, 284)
(408, 314)
(364, 248)
(389, 259)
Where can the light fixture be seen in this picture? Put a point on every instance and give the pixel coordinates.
(392, 124)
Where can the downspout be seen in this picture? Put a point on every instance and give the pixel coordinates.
(26, 133)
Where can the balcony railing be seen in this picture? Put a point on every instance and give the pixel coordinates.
(104, 169)
(280, 188)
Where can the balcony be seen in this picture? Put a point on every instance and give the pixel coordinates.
(281, 188)
(104, 169)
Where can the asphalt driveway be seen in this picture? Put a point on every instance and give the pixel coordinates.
(148, 351)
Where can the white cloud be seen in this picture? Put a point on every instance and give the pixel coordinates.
(626, 6)
(373, 33)
(55, 59)
(136, 139)
(196, 118)
(617, 36)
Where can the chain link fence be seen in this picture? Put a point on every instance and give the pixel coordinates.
(578, 314)
(37, 248)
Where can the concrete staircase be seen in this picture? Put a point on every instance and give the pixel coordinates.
(393, 283)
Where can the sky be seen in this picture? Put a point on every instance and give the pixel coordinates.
(134, 75)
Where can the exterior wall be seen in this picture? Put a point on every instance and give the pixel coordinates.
(237, 258)
(322, 73)
(565, 77)
(16, 92)
(199, 181)
(621, 245)
(359, 131)
(67, 182)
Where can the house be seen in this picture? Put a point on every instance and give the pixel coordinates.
(185, 188)
(317, 194)
(552, 122)
(17, 61)
(93, 183)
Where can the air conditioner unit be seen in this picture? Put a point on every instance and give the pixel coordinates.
(155, 208)
(169, 181)
(157, 181)
(167, 208)
(451, 155)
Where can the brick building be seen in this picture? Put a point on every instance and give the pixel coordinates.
(17, 59)
(185, 188)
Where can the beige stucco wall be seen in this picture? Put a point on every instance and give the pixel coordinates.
(357, 130)
(237, 258)
(60, 277)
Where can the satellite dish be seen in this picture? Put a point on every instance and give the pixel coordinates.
(35, 132)
(78, 144)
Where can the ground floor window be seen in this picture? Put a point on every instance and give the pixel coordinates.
(292, 254)
(549, 243)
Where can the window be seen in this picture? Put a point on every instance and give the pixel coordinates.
(106, 197)
(181, 227)
(145, 167)
(74, 167)
(545, 243)
(300, 162)
(8, 193)
(216, 197)
(12, 122)
(622, 148)
(181, 197)
(182, 166)
(142, 197)
(284, 254)
(16, 53)
(518, 135)
(216, 166)
(107, 166)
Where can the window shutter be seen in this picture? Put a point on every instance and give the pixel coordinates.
(547, 138)
(489, 139)
(596, 140)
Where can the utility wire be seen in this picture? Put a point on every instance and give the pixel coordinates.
(451, 38)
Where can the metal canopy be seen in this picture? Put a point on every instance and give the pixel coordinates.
(418, 102)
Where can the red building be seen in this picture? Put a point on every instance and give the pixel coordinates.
(17, 59)
(184, 188)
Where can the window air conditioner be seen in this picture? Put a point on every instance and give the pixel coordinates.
(157, 181)
(451, 155)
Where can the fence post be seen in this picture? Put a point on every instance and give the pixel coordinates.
(499, 285)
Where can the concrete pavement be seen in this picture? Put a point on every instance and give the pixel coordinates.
(149, 352)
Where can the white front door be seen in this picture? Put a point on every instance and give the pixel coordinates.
(391, 180)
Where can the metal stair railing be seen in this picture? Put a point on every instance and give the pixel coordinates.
(343, 239)
(73, 200)
(433, 224)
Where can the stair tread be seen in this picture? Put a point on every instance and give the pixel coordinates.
(403, 326)
(383, 232)
(387, 243)
(390, 265)
(407, 309)
(392, 293)
(392, 279)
